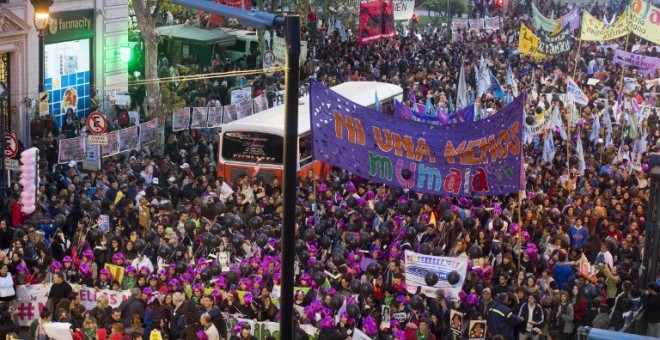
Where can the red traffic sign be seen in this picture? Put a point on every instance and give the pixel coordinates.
(11, 145)
(97, 123)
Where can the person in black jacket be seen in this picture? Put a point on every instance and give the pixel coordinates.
(651, 303)
(500, 319)
(131, 306)
(59, 290)
(533, 318)
(182, 307)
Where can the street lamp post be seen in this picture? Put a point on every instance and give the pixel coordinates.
(3, 94)
(41, 18)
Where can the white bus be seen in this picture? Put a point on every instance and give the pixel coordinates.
(261, 136)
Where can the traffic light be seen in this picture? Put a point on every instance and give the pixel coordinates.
(28, 179)
(125, 54)
(415, 17)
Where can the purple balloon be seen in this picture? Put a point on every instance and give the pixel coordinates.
(472, 300)
(645, 167)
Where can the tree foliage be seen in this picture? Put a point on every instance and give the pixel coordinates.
(456, 7)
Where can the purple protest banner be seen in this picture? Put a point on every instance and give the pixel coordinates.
(645, 65)
(464, 159)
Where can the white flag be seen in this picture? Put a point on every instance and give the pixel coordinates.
(574, 92)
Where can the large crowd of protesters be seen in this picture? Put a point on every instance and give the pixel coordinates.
(176, 229)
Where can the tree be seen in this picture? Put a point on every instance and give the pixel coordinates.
(456, 7)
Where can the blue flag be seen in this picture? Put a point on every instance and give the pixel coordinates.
(495, 86)
(428, 109)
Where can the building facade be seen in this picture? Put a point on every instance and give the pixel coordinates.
(82, 45)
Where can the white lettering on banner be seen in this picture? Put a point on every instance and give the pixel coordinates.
(418, 265)
(32, 299)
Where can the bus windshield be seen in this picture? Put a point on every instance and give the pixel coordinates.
(247, 146)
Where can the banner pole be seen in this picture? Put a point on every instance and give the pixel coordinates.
(623, 66)
(520, 193)
(577, 56)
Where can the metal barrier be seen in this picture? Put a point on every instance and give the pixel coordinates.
(588, 333)
(632, 326)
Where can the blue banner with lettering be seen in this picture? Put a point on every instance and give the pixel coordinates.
(460, 159)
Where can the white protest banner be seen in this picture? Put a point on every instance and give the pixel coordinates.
(492, 23)
(89, 295)
(459, 24)
(32, 299)
(575, 93)
(476, 24)
(58, 330)
(214, 116)
(230, 113)
(418, 265)
(149, 132)
(240, 95)
(260, 103)
(112, 148)
(359, 335)
(71, 149)
(181, 119)
(244, 109)
(403, 9)
(129, 139)
(198, 117)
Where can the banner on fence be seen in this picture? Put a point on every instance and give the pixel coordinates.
(554, 44)
(181, 119)
(230, 113)
(444, 160)
(214, 117)
(71, 149)
(129, 139)
(476, 24)
(492, 23)
(646, 65)
(149, 132)
(418, 265)
(260, 103)
(459, 24)
(199, 119)
(112, 148)
(32, 299)
(244, 109)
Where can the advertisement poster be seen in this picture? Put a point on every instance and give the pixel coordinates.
(198, 118)
(129, 139)
(214, 116)
(112, 148)
(181, 119)
(149, 132)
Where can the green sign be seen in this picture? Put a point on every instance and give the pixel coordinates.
(70, 26)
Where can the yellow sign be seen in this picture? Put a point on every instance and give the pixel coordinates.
(644, 20)
(117, 272)
(596, 30)
(528, 43)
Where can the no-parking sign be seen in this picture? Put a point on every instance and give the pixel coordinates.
(11, 145)
(97, 123)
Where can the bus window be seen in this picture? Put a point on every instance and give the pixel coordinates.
(305, 149)
(248, 146)
(239, 46)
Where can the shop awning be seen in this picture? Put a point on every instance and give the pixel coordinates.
(196, 35)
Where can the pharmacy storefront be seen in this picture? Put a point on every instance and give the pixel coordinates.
(68, 62)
